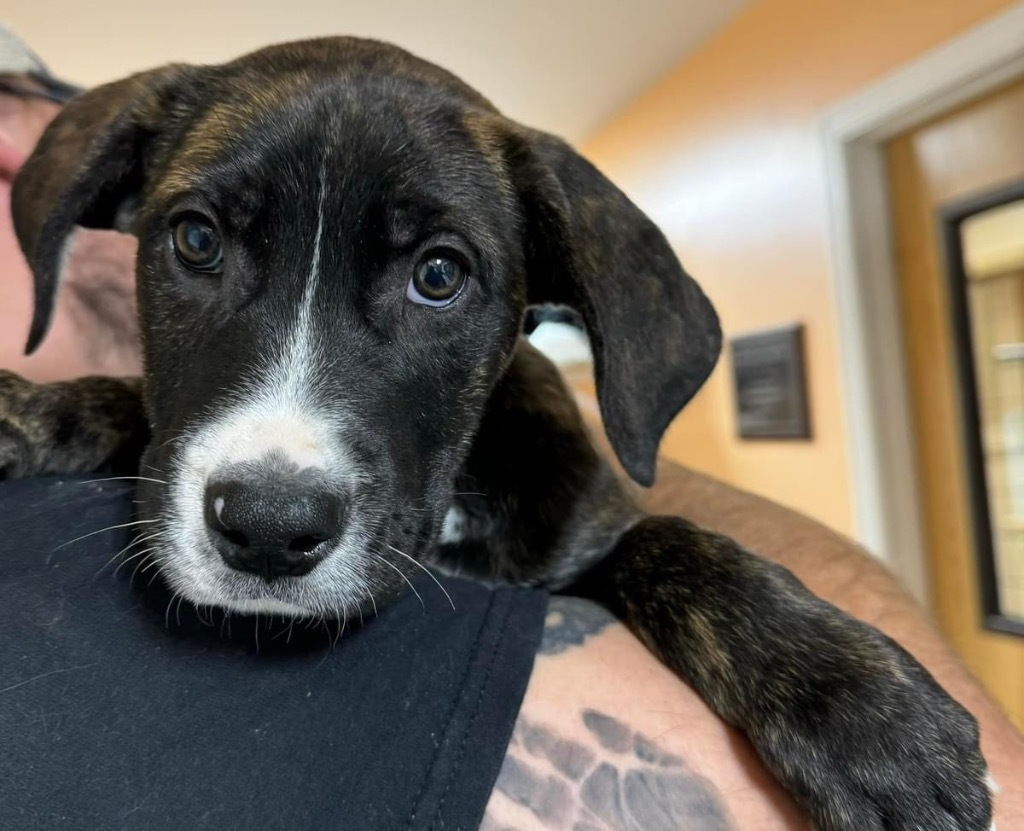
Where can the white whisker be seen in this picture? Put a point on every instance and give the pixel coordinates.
(124, 479)
(400, 574)
(124, 550)
(344, 623)
(140, 553)
(167, 612)
(141, 565)
(103, 531)
(426, 571)
(146, 538)
(330, 641)
(225, 621)
(148, 566)
(170, 441)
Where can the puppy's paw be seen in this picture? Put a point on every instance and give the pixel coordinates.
(883, 749)
(16, 458)
(91, 424)
(18, 447)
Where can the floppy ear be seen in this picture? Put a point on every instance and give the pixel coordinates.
(89, 163)
(654, 334)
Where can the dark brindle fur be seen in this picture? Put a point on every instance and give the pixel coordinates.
(327, 168)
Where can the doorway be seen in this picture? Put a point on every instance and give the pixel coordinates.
(956, 189)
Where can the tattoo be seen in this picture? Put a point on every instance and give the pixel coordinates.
(622, 782)
(570, 622)
(570, 758)
(611, 733)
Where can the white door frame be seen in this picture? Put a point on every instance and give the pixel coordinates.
(887, 515)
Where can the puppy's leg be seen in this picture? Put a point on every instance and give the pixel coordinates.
(82, 426)
(847, 720)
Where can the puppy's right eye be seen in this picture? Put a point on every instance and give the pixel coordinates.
(437, 279)
(197, 245)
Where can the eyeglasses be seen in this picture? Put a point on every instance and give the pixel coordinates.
(24, 92)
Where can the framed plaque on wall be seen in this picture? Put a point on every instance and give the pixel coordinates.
(770, 384)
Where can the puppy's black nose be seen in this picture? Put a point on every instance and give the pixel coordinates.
(273, 527)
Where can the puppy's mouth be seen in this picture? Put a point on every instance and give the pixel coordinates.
(247, 602)
(287, 597)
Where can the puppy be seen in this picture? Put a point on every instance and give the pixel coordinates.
(337, 245)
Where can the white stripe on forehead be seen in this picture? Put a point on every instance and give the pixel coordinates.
(286, 389)
(278, 413)
(298, 360)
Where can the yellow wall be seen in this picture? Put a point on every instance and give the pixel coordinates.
(724, 154)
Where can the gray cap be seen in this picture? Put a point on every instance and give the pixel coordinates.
(17, 59)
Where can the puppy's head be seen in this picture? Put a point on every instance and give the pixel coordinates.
(337, 242)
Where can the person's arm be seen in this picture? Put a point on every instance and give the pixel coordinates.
(841, 572)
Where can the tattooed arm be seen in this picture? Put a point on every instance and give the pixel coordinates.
(610, 740)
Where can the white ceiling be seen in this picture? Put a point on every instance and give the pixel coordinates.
(562, 65)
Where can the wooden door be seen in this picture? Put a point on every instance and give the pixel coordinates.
(969, 470)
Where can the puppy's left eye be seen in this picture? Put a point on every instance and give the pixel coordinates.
(437, 280)
(197, 245)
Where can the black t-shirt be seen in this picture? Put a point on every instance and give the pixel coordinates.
(122, 708)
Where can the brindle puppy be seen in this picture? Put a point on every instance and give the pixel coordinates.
(337, 244)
